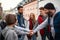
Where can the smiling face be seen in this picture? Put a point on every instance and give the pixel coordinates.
(31, 16)
(42, 12)
(50, 12)
(46, 11)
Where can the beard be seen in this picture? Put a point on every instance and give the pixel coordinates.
(50, 14)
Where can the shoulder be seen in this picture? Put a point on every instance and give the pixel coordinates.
(57, 14)
(17, 14)
(39, 16)
(10, 32)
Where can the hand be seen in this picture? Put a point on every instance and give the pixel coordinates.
(31, 32)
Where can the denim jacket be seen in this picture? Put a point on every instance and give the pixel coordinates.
(20, 19)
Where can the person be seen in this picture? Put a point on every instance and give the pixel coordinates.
(32, 23)
(10, 32)
(3, 23)
(20, 19)
(46, 30)
(0, 32)
(1, 11)
(54, 16)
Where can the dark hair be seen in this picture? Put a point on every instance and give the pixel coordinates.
(41, 8)
(19, 7)
(10, 19)
(49, 6)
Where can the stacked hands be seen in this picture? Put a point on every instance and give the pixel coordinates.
(31, 32)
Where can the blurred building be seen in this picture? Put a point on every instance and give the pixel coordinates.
(22, 3)
(1, 10)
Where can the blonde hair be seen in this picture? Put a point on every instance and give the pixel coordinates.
(33, 17)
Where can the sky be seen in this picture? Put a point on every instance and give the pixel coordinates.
(9, 4)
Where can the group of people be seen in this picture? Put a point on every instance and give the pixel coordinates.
(15, 27)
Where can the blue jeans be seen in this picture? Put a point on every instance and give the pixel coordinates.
(33, 37)
(22, 37)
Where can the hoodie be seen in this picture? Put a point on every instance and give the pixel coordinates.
(9, 34)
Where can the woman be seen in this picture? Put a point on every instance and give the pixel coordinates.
(32, 22)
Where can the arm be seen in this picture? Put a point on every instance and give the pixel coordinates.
(22, 29)
(35, 26)
(18, 31)
(26, 24)
(42, 25)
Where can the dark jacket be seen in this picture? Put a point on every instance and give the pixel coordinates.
(56, 22)
(3, 24)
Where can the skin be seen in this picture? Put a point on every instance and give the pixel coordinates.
(42, 12)
(20, 10)
(51, 11)
(31, 16)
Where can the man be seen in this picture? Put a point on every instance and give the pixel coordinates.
(54, 16)
(46, 30)
(20, 19)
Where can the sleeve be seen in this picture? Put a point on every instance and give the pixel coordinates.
(22, 32)
(36, 24)
(42, 25)
(26, 24)
(18, 31)
(22, 29)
